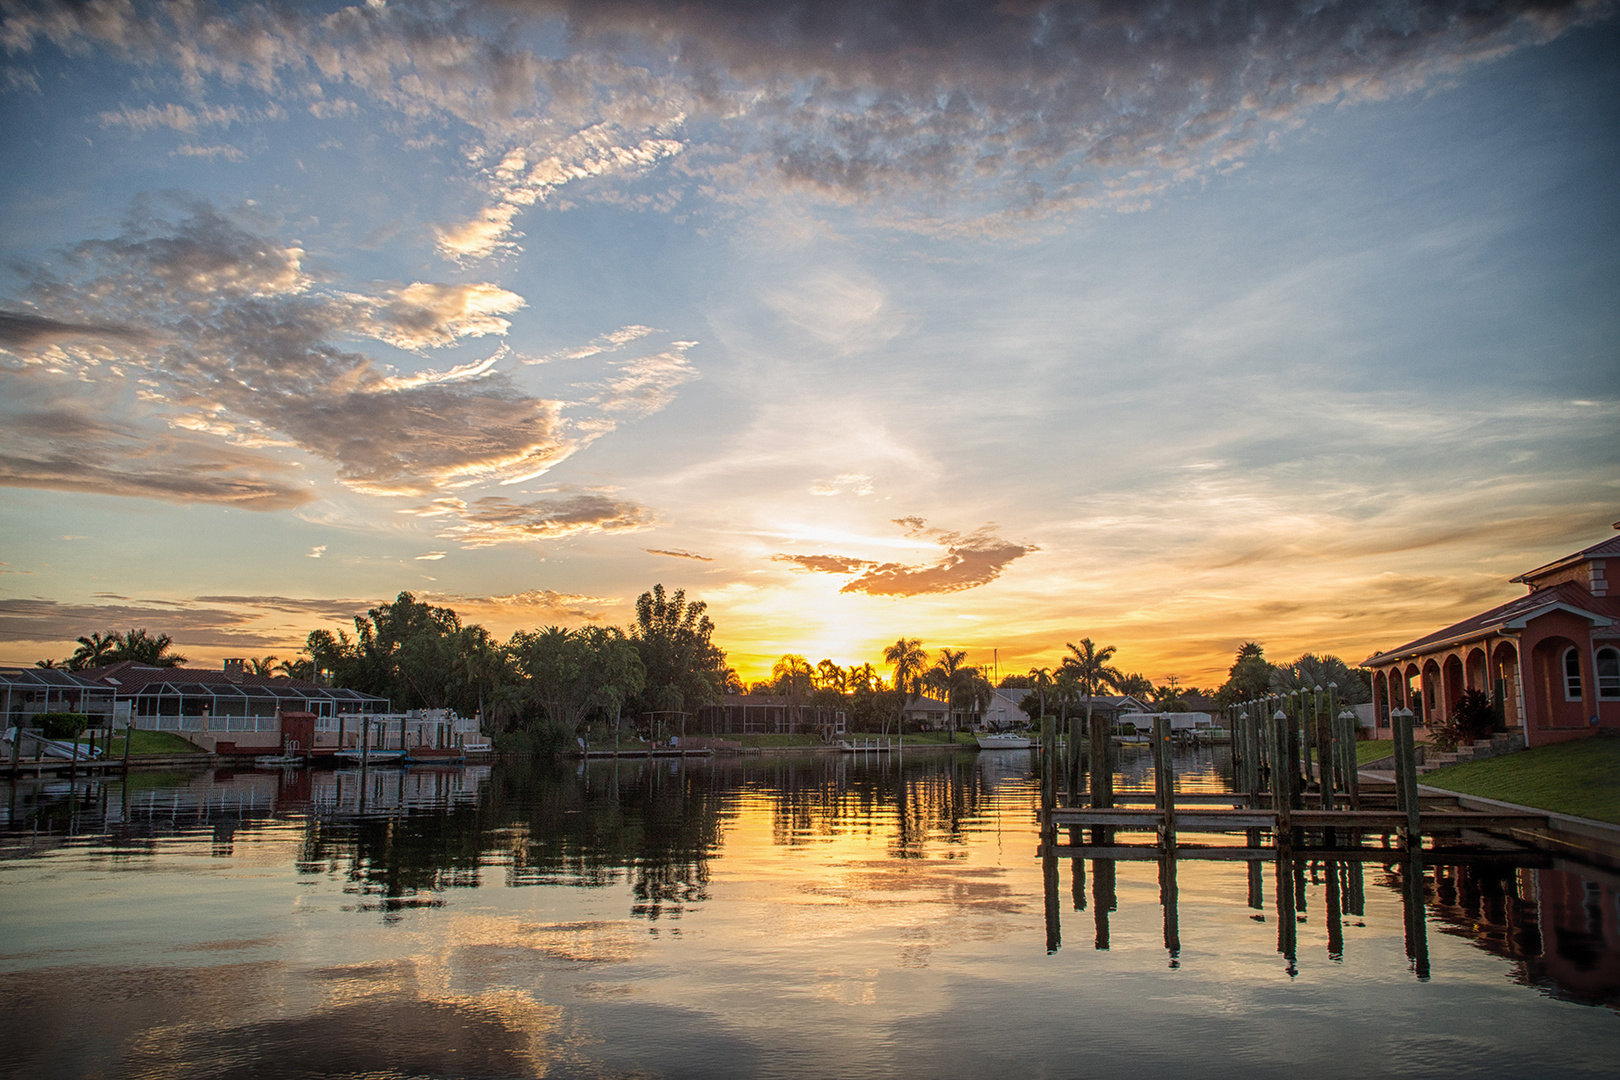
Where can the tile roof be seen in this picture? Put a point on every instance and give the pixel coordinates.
(1568, 593)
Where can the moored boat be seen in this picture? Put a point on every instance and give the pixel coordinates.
(1005, 740)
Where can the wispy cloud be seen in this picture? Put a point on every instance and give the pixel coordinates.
(676, 554)
(496, 520)
(982, 112)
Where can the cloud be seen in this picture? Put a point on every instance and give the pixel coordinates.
(528, 174)
(972, 560)
(675, 554)
(425, 315)
(530, 604)
(231, 336)
(854, 483)
(327, 609)
(941, 115)
(316, 552)
(23, 330)
(176, 117)
(496, 520)
(51, 621)
(56, 445)
(431, 556)
(826, 564)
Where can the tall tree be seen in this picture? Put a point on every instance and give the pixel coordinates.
(1249, 677)
(143, 648)
(684, 668)
(908, 659)
(93, 650)
(1091, 669)
(946, 676)
(1040, 680)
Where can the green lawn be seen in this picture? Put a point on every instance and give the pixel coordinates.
(1580, 778)
(149, 742)
(1373, 749)
(759, 741)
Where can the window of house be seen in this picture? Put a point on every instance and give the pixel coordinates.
(1572, 675)
(1608, 673)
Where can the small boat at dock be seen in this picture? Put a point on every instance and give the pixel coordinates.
(1005, 740)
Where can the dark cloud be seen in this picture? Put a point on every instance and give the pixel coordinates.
(678, 554)
(498, 520)
(56, 447)
(51, 621)
(970, 561)
(1041, 103)
(330, 610)
(19, 329)
(1011, 108)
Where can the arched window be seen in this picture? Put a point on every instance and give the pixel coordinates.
(1572, 675)
(1608, 673)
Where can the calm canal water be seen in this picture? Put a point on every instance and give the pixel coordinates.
(800, 916)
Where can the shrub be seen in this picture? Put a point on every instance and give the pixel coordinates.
(543, 738)
(1473, 717)
(62, 725)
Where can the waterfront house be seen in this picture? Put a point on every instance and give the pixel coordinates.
(1550, 659)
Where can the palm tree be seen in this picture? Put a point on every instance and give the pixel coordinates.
(1091, 670)
(829, 676)
(93, 650)
(1135, 684)
(946, 676)
(1040, 680)
(143, 648)
(263, 666)
(907, 658)
(860, 675)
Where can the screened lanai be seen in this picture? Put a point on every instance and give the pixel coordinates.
(27, 692)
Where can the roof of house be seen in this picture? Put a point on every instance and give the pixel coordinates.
(1568, 596)
(129, 677)
(1602, 548)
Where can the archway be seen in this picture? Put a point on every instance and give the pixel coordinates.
(1505, 684)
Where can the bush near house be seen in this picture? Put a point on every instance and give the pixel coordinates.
(62, 725)
(1473, 717)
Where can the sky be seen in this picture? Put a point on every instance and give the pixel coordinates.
(997, 325)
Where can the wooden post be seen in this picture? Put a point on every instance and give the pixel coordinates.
(1326, 755)
(129, 735)
(1406, 793)
(1102, 777)
(16, 748)
(1164, 778)
(342, 724)
(1071, 780)
(365, 747)
(1352, 771)
(1048, 761)
(1282, 776)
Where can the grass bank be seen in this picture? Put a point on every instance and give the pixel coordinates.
(1580, 778)
(1373, 749)
(148, 742)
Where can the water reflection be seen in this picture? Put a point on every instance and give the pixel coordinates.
(505, 898)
